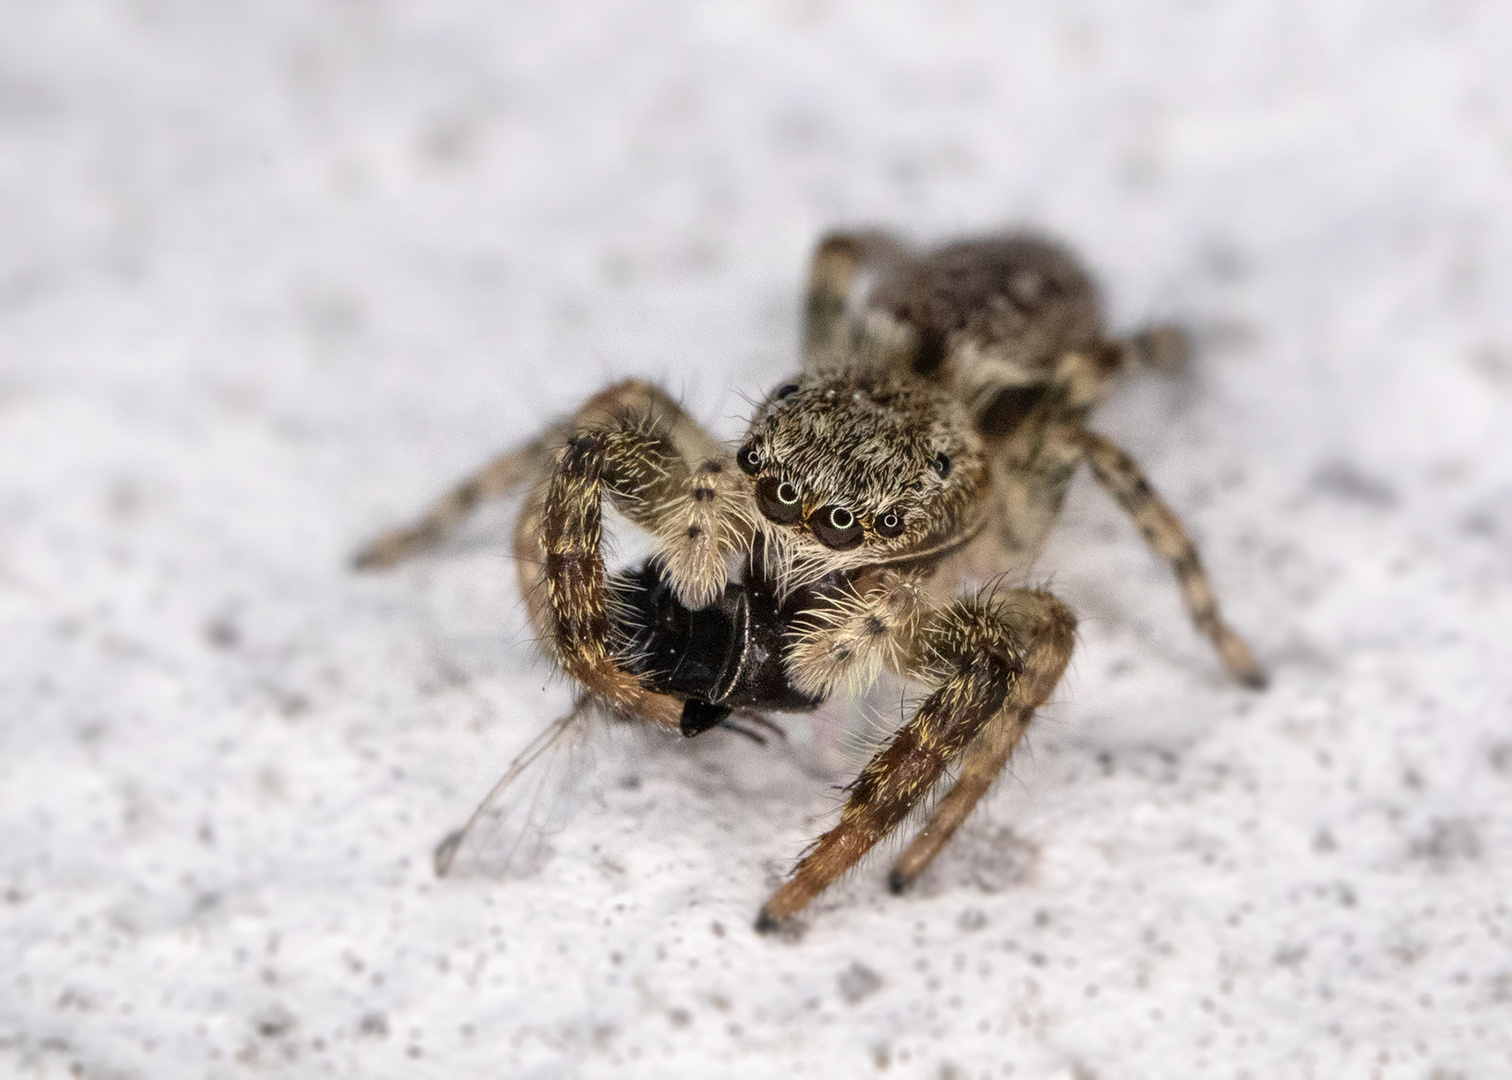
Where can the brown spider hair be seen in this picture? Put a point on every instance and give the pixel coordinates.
(850, 468)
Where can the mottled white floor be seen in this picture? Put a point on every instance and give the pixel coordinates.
(273, 274)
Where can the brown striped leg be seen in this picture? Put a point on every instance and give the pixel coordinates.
(693, 502)
(499, 478)
(1121, 476)
(636, 446)
(1083, 377)
(985, 658)
(1164, 347)
(1046, 626)
(576, 610)
(834, 270)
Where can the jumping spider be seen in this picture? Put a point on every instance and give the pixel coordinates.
(931, 435)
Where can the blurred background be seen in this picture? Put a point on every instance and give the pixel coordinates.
(273, 274)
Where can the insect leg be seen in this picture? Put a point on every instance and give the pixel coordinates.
(761, 720)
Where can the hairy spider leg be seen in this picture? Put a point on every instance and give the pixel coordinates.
(1121, 476)
(831, 337)
(987, 657)
(638, 447)
(1047, 626)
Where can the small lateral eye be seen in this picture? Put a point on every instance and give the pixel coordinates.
(942, 464)
(889, 524)
(836, 527)
(749, 459)
(778, 500)
(786, 390)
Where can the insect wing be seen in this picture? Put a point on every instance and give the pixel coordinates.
(509, 834)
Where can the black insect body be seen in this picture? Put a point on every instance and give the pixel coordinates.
(726, 656)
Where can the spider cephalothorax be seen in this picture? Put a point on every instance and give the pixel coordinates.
(931, 436)
(852, 468)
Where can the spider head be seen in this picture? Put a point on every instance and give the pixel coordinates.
(850, 469)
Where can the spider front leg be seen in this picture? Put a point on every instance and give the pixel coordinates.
(1117, 472)
(637, 447)
(992, 662)
(858, 634)
(1037, 617)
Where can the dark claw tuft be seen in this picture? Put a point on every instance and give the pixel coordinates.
(898, 882)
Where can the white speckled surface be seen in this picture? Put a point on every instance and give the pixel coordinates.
(272, 274)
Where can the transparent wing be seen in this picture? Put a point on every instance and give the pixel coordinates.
(509, 833)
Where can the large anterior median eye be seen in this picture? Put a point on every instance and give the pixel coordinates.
(836, 527)
(779, 501)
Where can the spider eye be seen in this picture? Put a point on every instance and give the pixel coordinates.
(942, 464)
(779, 501)
(836, 527)
(787, 390)
(749, 459)
(889, 524)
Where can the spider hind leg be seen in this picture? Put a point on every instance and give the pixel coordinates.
(1122, 478)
